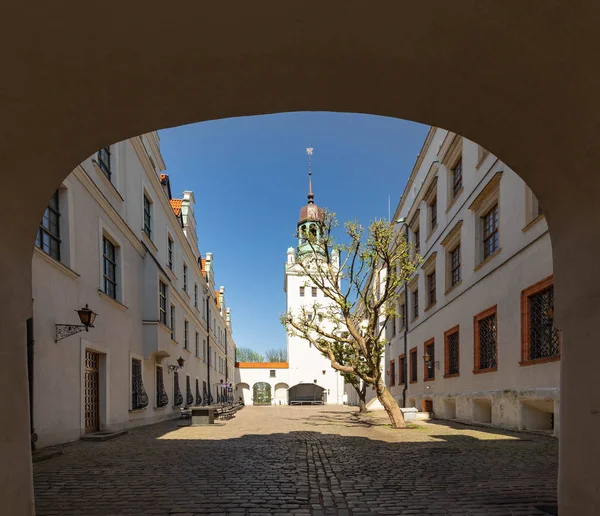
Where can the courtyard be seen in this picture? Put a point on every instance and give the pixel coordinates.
(302, 460)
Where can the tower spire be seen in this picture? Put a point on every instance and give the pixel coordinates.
(311, 197)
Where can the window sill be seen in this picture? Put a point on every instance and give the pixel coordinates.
(55, 263)
(173, 341)
(456, 285)
(160, 408)
(543, 360)
(488, 259)
(454, 199)
(149, 241)
(488, 370)
(186, 293)
(413, 381)
(482, 159)
(430, 306)
(429, 379)
(533, 223)
(137, 410)
(454, 375)
(186, 349)
(108, 182)
(119, 305)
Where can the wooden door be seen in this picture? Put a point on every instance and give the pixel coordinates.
(92, 391)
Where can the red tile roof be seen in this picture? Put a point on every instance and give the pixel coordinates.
(217, 298)
(262, 365)
(176, 205)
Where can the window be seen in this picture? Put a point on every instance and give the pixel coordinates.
(162, 399)
(147, 216)
(172, 322)
(451, 352)
(417, 242)
(415, 299)
(490, 232)
(393, 326)
(189, 397)
(185, 283)
(433, 214)
(186, 327)
(429, 360)
(197, 345)
(104, 161)
(301, 291)
(162, 302)
(533, 208)
(169, 248)
(413, 365)
(195, 295)
(110, 268)
(402, 369)
(314, 291)
(486, 341)
(48, 237)
(139, 398)
(457, 179)
(272, 373)
(177, 396)
(540, 340)
(431, 289)
(455, 265)
(392, 373)
(402, 316)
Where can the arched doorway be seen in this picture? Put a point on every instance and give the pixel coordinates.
(261, 393)
(307, 394)
(281, 393)
(243, 392)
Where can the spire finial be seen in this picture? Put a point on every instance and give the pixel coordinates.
(309, 151)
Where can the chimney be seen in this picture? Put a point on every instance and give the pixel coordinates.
(208, 267)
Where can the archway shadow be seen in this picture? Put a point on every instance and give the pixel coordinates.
(154, 470)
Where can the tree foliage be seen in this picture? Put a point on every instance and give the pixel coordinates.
(361, 278)
(248, 355)
(276, 355)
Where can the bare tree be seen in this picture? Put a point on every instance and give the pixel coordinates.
(362, 279)
(276, 355)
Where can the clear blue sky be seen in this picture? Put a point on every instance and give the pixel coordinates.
(249, 178)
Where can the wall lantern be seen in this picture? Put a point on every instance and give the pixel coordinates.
(180, 362)
(429, 362)
(550, 312)
(87, 317)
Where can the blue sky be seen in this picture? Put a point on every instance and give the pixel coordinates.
(249, 178)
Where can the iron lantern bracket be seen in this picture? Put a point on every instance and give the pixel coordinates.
(62, 331)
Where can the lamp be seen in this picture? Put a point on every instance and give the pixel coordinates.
(550, 312)
(172, 367)
(429, 362)
(87, 317)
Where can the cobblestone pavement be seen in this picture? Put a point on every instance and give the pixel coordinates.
(301, 460)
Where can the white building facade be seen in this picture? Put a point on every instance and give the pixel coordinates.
(476, 341)
(308, 374)
(113, 238)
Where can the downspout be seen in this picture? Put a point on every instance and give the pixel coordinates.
(208, 345)
(226, 368)
(405, 315)
(30, 345)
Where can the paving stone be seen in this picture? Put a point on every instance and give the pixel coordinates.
(300, 461)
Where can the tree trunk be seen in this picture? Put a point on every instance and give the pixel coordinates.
(362, 406)
(390, 406)
(362, 398)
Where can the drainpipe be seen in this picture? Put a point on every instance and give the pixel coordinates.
(226, 368)
(30, 344)
(208, 345)
(405, 315)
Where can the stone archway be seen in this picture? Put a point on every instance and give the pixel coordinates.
(262, 393)
(307, 394)
(281, 393)
(528, 94)
(243, 392)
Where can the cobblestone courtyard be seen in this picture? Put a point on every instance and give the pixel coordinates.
(296, 460)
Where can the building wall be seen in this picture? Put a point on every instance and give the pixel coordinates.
(246, 377)
(514, 395)
(128, 327)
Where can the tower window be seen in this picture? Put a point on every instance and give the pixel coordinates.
(301, 291)
(314, 291)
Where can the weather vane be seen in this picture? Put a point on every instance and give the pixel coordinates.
(309, 151)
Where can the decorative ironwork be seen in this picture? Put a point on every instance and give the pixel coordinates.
(430, 361)
(162, 398)
(198, 397)
(488, 349)
(189, 397)
(452, 350)
(177, 396)
(139, 398)
(490, 232)
(204, 394)
(92, 391)
(543, 337)
(66, 330)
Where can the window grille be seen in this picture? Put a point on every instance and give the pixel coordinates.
(543, 337)
(455, 265)
(430, 364)
(177, 396)
(104, 161)
(392, 373)
(139, 398)
(488, 349)
(162, 398)
(490, 232)
(147, 217)
(457, 179)
(452, 347)
(189, 397)
(413, 366)
(48, 236)
(198, 396)
(402, 372)
(204, 394)
(110, 268)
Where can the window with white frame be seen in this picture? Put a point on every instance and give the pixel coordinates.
(451, 157)
(195, 295)
(162, 302)
(533, 208)
(486, 210)
(432, 206)
(109, 267)
(451, 244)
(170, 252)
(104, 162)
(197, 342)
(172, 322)
(147, 216)
(48, 235)
(186, 327)
(185, 277)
